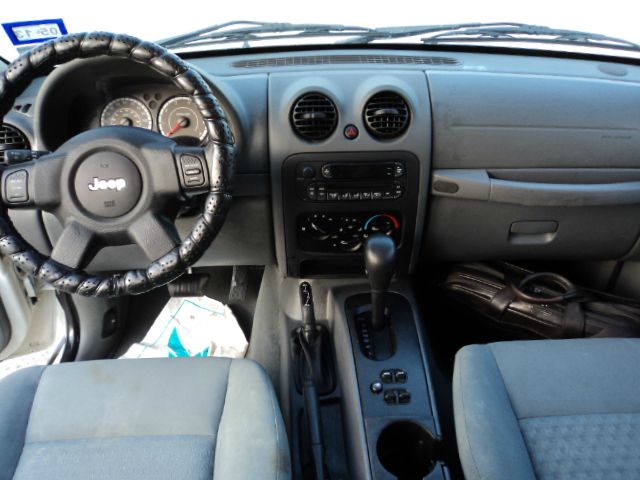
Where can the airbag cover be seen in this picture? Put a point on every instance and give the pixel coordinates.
(108, 185)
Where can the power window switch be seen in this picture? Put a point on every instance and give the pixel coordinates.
(404, 397)
(386, 376)
(390, 397)
(401, 376)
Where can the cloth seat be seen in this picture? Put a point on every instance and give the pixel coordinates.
(179, 418)
(552, 409)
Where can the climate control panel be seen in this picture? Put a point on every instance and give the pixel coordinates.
(345, 232)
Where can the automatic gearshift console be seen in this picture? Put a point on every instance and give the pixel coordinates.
(380, 261)
(373, 317)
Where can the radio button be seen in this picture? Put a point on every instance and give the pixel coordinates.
(311, 192)
(344, 195)
(322, 193)
(365, 195)
(354, 196)
(308, 171)
(332, 196)
(376, 195)
(326, 171)
(399, 170)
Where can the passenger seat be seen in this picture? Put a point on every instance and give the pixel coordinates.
(552, 409)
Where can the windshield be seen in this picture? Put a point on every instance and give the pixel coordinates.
(347, 22)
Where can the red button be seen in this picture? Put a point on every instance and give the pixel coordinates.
(351, 132)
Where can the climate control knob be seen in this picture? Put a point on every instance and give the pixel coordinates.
(318, 226)
(383, 223)
(350, 234)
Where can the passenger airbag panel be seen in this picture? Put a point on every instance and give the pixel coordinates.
(487, 120)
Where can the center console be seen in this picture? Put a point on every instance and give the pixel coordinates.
(371, 413)
(386, 404)
(359, 398)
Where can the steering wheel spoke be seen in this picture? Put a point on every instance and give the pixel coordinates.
(76, 246)
(35, 183)
(155, 235)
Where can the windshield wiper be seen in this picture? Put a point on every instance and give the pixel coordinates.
(246, 31)
(495, 32)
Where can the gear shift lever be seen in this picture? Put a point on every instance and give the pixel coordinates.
(380, 261)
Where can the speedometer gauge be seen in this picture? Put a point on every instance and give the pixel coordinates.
(127, 112)
(179, 117)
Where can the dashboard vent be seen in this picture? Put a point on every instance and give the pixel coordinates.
(302, 61)
(11, 138)
(314, 116)
(386, 115)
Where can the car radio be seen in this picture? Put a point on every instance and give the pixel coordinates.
(318, 181)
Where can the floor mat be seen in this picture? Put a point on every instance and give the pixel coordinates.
(192, 327)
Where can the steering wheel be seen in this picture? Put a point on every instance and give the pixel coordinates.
(115, 185)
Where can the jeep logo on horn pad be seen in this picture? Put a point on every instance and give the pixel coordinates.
(107, 185)
(116, 184)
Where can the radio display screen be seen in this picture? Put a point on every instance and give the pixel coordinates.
(358, 171)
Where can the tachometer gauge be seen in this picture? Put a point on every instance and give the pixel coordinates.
(179, 117)
(127, 112)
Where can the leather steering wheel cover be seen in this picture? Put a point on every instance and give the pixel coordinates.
(220, 153)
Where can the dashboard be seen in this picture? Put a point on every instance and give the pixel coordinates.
(459, 155)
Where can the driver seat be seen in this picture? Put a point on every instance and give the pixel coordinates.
(179, 418)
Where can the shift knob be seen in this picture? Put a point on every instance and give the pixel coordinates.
(380, 261)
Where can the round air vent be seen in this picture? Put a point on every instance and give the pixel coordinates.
(386, 115)
(11, 139)
(314, 116)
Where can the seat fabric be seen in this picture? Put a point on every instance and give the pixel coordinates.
(179, 418)
(549, 409)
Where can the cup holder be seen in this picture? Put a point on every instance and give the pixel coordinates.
(407, 450)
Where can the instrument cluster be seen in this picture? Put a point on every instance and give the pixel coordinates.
(174, 116)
